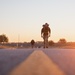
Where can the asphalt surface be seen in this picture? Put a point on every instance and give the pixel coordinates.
(64, 59)
(9, 58)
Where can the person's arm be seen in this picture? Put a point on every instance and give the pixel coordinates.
(49, 34)
(41, 32)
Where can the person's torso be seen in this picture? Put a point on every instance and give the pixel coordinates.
(45, 31)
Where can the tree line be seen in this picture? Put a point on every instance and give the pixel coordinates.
(5, 39)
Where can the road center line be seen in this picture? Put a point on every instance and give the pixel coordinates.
(37, 63)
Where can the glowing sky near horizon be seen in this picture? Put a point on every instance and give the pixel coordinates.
(23, 19)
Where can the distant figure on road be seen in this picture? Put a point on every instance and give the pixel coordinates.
(45, 34)
(32, 43)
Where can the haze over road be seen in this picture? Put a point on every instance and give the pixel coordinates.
(60, 61)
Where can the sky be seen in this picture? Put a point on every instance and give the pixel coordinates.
(22, 20)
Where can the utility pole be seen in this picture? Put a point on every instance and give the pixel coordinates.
(18, 41)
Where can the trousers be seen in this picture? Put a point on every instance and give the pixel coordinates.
(45, 40)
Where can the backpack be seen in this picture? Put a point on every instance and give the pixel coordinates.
(46, 30)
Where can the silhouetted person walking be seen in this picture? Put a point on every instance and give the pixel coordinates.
(32, 43)
(45, 34)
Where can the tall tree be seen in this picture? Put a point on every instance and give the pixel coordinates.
(3, 38)
(51, 42)
(62, 41)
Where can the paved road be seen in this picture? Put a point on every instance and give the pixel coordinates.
(9, 58)
(64, 58)
(37, 61)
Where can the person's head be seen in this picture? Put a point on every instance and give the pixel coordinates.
(46, 24)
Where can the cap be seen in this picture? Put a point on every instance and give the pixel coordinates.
(46, 24)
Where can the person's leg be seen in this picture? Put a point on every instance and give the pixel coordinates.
(46, 39)
(32, 46)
